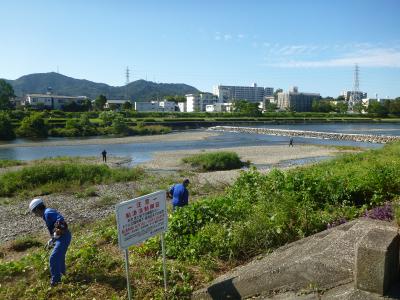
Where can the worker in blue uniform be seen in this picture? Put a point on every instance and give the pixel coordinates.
(60, 237)
(179, 194)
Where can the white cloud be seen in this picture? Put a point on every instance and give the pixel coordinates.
(367, 57)
(227, 37)
(240, 36)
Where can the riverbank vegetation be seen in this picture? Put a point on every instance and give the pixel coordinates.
(50, 177)
(56, 123)
(255, 215)
(214, 161)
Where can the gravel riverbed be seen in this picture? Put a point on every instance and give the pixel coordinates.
(16, 221)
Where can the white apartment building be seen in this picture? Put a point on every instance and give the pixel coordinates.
(227, 93)
(155, 106)
(348, 94)
(51, 101)
(182, 106)
(198, 102)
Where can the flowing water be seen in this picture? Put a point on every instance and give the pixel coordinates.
(143, 151)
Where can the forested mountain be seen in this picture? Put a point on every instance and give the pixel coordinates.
(139, 90)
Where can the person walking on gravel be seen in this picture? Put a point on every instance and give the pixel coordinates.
(60, 237)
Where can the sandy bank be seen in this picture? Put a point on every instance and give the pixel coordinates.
(175, 136)
(258, 155)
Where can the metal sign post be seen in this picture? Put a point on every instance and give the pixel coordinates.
(164, 263)
(128, 284)
(139, 219)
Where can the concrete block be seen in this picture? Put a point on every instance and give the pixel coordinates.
(377, 261)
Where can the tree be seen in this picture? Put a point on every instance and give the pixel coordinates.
(321, 106)
(358, 107)
(100, 102)
(375, 107)
(119, 125)
(107, 117)
(176, 98)
(340, 98)
(246, 108)
(393, 106)
(271, 107)
(33, 126)
(6, 93)
(127, 105)
(6, 128)
(342, 107)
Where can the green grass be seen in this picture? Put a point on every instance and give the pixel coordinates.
(49, 177)
(213, 161)
(4, 163)
(257, 214)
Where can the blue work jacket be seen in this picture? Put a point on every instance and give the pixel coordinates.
(180, 195)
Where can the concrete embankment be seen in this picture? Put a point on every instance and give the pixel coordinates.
(369, 138)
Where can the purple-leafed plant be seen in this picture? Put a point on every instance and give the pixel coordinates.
(383, 213)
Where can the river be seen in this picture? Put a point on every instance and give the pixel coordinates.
(143, 151)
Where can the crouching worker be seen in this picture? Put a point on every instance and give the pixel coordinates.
(179, 194)
(60, 237)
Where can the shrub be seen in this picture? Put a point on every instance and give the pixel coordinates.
(6, 128)
(215, 161)
(264, 211)
(33, 126)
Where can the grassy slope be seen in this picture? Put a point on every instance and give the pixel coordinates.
(213, 234)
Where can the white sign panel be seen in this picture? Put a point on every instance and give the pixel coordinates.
(141, 218)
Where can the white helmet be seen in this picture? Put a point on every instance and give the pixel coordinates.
(34, 203)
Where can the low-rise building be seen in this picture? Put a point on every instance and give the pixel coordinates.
(295, 101)
(155, 106)
(115, 104)
(198, 102)
(51, 101)
(219, 107)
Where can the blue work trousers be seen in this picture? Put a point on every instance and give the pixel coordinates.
(57, 257)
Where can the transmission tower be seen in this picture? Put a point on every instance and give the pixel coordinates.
(127, 82)
(355, 96)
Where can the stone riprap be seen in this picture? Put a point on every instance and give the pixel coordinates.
(369, 138)
(320, 266)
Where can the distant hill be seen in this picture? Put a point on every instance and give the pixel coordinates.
(140, 90)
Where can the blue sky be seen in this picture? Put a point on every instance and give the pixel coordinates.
(312, 44)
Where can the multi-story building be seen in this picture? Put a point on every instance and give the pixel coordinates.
(198, 102)
(155, 106)
(358, 95)
(227, 93)
(52, 101)
(295, 101)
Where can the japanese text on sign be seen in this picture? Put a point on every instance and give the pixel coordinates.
(141, 218)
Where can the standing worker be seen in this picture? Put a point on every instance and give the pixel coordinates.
(179, 194)
(291, 142)
(104, 154)
(60, 237)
